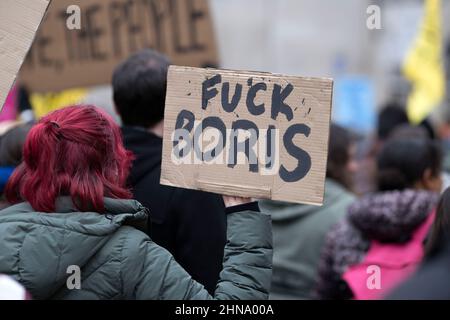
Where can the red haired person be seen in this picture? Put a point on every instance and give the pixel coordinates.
(73, 231)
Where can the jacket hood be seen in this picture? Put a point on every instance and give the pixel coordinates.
(37, 248)
(147, 149)
(392, 216)
(280, 210)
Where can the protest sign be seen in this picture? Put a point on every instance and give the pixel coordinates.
(65, 57)
(19, 21)
(248, 134)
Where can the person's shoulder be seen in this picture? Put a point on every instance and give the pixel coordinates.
(129, 236)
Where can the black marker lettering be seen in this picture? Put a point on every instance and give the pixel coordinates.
(182, 117)
(210, 122)
(270, 147)
(244, 146)
(254, 109)
(278, 104)
(230, 106)
(209, 94)
(304, 159)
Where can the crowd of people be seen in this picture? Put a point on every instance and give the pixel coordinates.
(78, 190)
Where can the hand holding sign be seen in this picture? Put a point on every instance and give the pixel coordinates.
(247, 134)
(231, 201)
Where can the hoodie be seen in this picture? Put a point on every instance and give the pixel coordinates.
(190, 224)
(299, 232)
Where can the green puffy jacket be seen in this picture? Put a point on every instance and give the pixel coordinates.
(117, 261)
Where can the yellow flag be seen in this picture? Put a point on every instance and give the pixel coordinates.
(44, 103)
(424, 66)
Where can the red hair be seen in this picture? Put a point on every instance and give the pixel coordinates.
(76, 151)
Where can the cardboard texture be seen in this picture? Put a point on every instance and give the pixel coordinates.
(19, 21)
(203, 106)
(111, 30)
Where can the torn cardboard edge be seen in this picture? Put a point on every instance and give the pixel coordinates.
(8, 7)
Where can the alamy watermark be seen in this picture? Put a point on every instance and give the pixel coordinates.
(373, 281)
(373, 21)
(73, 21)
(73, 281)
(259, 149)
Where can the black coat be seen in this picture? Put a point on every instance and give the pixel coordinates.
(190, 224)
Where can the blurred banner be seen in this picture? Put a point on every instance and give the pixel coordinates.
(44, 103)
(110, 31)
(424, 66)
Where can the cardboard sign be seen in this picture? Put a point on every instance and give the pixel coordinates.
(247, 134)
(111, 30)
(19, 21)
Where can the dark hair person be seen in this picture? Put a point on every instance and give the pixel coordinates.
(410, 163)
(386, 228)
(390, 117)
(139, 86)
(177, 219)
(73, 212)
(341, 163)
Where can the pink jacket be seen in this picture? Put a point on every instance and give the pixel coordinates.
(387, 265)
